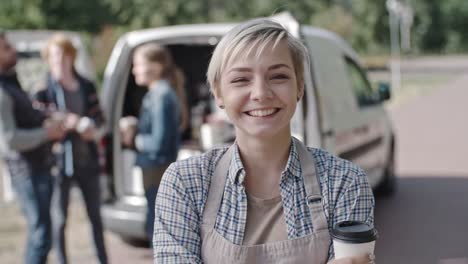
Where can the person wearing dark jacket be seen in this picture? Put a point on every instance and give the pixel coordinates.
(75, 97)
(25, 136)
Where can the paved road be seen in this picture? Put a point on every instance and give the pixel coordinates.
(426, 221)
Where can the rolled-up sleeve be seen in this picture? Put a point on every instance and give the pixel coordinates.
(13, 138)
(356, 201)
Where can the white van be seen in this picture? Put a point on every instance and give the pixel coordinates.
(340, 111)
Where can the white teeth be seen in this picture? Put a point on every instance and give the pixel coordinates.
(262, 112)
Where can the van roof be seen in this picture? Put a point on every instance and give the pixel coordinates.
(329, 35)
(135, 38)
(192, 31)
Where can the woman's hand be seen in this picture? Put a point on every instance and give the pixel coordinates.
(128, 137)
(71, 121)
(365, 259)
(128, 129)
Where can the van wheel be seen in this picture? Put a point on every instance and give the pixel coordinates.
(135, 242)
(389, 183)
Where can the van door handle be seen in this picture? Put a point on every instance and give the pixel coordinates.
(328, 133)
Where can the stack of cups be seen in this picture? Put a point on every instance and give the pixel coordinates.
(353, 238)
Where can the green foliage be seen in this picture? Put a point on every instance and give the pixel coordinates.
(435, 36)
(439, 26)
(457, 19)
(20, 14)
(83, 15)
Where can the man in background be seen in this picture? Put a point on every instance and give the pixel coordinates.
(25, 136)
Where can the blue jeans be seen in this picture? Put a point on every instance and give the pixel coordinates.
(34, 192)
(151, 179)
(150, 194)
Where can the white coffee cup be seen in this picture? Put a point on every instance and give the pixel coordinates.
(353, 238)
(83, 124)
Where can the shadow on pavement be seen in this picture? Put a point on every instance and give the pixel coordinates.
(424, 222)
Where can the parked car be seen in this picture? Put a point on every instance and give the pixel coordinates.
(340, 112)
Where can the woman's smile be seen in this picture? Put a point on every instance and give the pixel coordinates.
(265, 112)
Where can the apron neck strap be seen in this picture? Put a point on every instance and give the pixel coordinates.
(312, 187)
(216, 188)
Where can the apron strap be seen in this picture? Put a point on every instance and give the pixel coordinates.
(216, 188)
(312, 187)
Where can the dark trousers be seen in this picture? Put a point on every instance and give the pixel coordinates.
(88, 182)
(34, 192)
(151, 179)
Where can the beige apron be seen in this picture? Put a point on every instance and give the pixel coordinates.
(311, 249)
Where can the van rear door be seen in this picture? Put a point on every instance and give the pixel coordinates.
(127, 180)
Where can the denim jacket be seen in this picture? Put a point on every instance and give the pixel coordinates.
(158, 137)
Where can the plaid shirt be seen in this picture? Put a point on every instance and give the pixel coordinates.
(184, 189)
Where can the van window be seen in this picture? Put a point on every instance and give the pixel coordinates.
(362, 89)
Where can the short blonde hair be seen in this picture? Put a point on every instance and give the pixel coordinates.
(62, 41)
(248, 35)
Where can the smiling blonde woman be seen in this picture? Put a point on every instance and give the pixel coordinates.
(267, 198)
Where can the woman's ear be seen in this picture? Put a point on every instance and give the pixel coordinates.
(300, 89)
(218, 98)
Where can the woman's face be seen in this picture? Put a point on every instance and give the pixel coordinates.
(260, 93)
(145, 72)
(59, 62)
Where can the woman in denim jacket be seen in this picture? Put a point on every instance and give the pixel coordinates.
(156, 135)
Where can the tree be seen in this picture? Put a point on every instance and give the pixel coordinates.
(438, 25)
(83, 15)
(21, 14)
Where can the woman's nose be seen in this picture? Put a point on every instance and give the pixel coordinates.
(261, 90)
